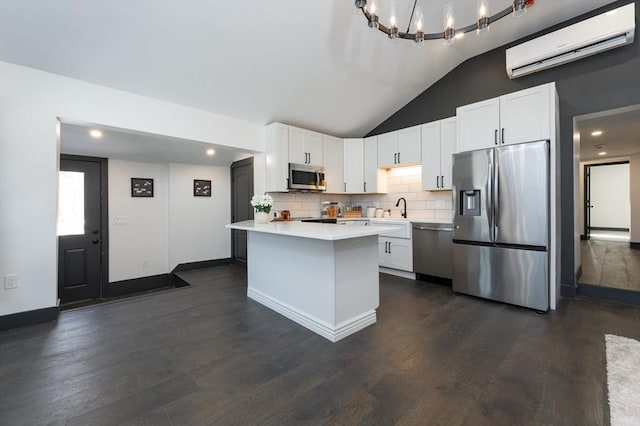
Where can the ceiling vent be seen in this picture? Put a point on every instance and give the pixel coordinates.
(607, 31)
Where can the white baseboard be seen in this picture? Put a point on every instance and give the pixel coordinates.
(326, 330)
(397, 273)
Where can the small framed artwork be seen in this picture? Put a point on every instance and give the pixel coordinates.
(141, 187)
(201, 188)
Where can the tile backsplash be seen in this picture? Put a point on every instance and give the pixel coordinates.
(401, 182)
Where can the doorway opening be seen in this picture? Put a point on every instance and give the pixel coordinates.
(607, 201)
(607, 204)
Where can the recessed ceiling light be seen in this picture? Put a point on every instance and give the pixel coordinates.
(95, 133)
(602, 153)
(210, 151)
(596, 133)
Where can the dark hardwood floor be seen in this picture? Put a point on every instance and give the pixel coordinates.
(205, 354)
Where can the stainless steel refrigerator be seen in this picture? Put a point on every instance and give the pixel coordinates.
(501, 224)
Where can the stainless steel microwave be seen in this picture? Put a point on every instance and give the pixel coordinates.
(309, 178)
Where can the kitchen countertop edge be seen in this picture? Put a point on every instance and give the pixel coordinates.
(318, 231)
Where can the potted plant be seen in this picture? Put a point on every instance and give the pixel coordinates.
(262, 207)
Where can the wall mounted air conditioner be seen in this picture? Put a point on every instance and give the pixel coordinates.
(594, 35)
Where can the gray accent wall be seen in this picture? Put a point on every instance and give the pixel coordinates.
(601, 82)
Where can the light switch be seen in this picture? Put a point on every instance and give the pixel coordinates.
(10, 281)
(119, 221)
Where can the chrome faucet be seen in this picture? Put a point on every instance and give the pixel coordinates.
(404, 212)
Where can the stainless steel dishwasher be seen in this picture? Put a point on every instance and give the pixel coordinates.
(432, 249)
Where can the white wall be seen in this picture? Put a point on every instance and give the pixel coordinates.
(610, 196)
(196, 224)
(30, 103)
(635, 197)
(145, 235)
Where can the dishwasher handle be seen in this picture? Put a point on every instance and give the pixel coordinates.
(432, 228)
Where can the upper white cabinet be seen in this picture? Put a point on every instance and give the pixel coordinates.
(375, 180)
(438, 147)
(522, 116)
(353, 166)
(305, 147)
(276, 157)
(399, 148)
(361, 174)
(334, 164)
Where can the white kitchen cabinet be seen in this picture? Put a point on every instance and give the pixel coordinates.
(361, 174)
(399, 148)
(395, 248)
(276, 157)
(522, 116)
(395, 253)
(334, 164)
(438, 147)
(478, 125)
(305, 147)
(375, 180)
(353, 166)
(525, 116)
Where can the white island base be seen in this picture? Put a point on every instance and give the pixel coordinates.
(328, 286)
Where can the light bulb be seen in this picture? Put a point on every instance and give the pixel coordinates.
(372, 9)
(393, 21)
(419, 25)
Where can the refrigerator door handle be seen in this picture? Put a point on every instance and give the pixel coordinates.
(496, 198)
(489, 188)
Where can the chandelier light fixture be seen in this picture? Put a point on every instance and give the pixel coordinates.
(450, 33)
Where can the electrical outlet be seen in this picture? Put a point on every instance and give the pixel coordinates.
(10, 281)
(145, 263)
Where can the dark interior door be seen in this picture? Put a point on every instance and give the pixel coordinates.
(587, 202)
(241, 193)
(79, 230)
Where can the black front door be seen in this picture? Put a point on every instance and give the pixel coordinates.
(241, 193)
(80, 236)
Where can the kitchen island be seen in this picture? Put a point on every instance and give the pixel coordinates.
(322, 276)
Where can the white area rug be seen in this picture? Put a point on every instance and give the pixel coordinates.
(623, 380)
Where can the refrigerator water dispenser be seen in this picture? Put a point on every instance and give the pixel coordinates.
(470, 202)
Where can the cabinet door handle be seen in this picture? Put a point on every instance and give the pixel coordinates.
(503, 135)
(389, 246)
(385, 247)
(345, 187)
(495, 137)
(398, 158)
(442, 182)
(365, 187)
(437, 181)
(395, 158)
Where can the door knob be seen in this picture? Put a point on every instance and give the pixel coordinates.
(95, 241)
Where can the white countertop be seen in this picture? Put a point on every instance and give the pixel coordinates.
(318, 231)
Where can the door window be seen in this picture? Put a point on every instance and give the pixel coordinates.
(70, 203)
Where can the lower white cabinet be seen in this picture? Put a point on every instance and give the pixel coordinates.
(395, 248)
(395, 253)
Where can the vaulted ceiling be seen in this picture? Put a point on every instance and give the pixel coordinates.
(311, 63)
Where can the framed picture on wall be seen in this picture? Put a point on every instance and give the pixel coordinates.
(141, 187)
(201, 188)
